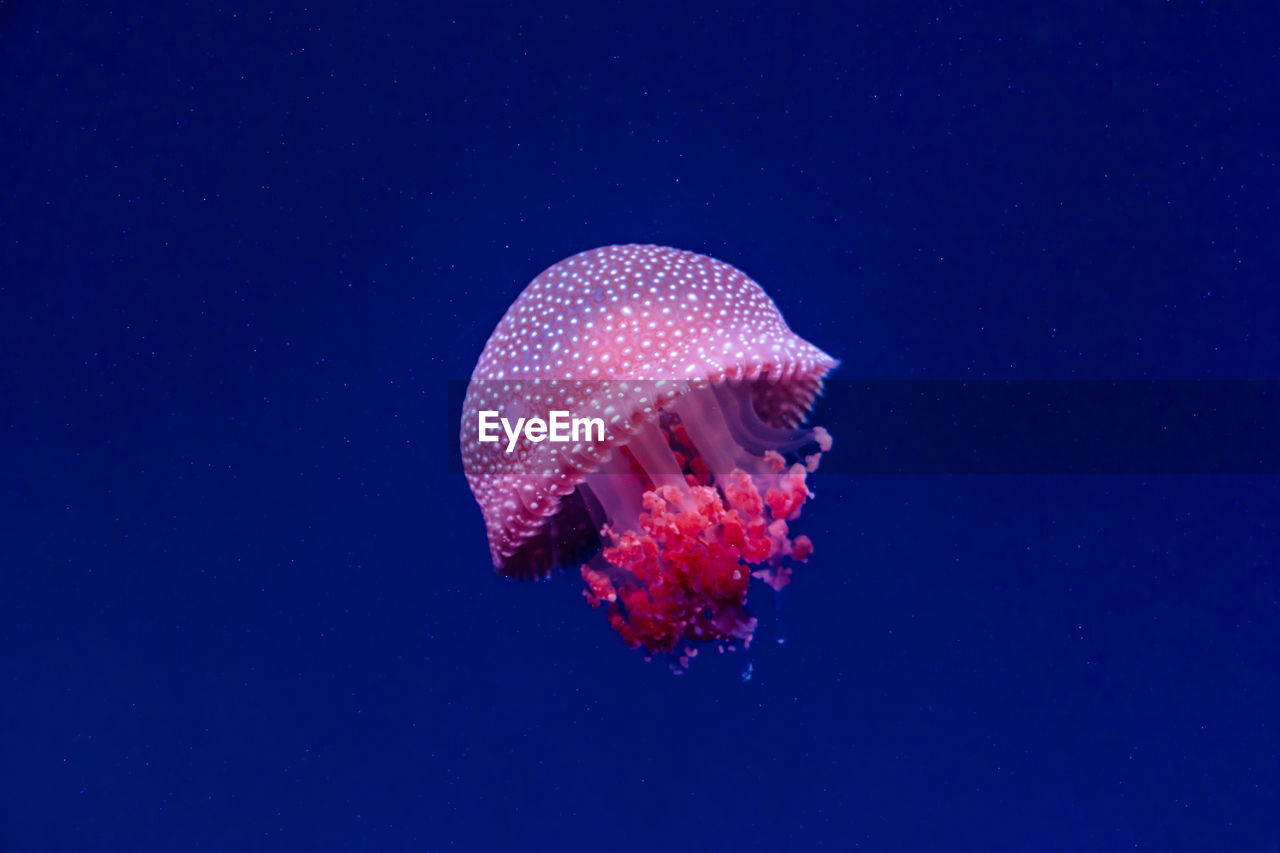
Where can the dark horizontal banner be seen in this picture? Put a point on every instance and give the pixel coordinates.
(1054, 427)
(1037, 427)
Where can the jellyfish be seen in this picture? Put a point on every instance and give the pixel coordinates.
(692, 487)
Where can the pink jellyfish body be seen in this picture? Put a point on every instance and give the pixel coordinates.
(701, 468)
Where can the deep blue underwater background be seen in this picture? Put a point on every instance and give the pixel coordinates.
(244, 605)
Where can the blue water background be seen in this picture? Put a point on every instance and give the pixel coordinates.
(244, 605)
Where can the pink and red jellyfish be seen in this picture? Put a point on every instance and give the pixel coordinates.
(702, 468)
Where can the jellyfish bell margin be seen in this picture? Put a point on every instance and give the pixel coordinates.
(705, 469)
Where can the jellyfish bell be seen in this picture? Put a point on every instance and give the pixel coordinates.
(701, 387)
